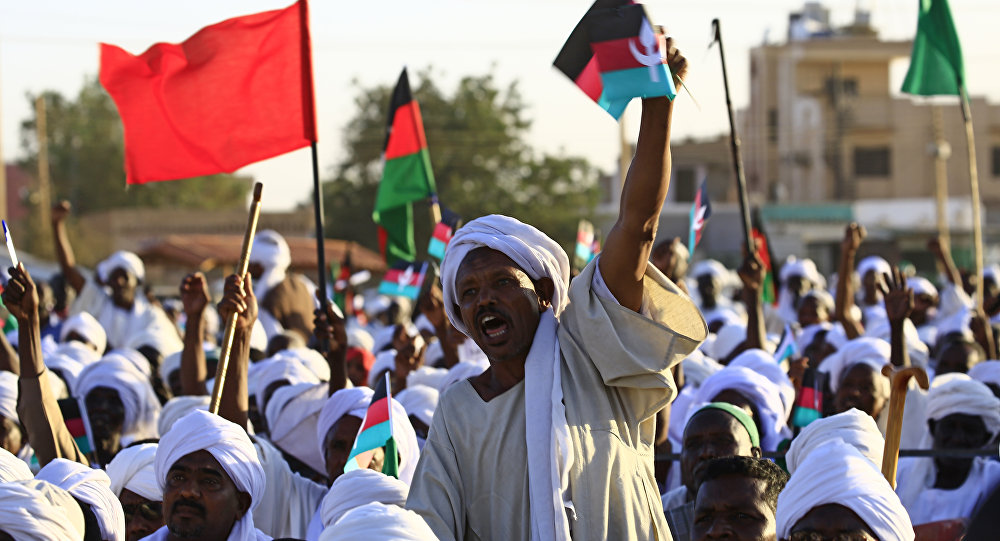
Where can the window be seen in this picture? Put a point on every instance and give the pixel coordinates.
(996, 161)
(872, 161)
(772, 125)
(684, 185)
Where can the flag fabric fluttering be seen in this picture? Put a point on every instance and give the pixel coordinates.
(232, 94)
(585, 239)
(376, 432)
(768, 295)
(701, 210)
(407, 176)
(936, 66)
(443, 231)
(787, 347)
(404, 279)
(614, 55)
(341, 274)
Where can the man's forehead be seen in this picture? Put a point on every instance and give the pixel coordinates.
(733, 490)
(199, 460)
(484, 257)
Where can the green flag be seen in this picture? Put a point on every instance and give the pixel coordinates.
(936, 66)
(407, 176)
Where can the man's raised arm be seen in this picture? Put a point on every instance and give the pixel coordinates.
(626, 253)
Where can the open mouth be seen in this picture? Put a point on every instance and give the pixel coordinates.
(492, 326)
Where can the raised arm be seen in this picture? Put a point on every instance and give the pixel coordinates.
(37, 407)
(942, 255)
(195, 298)
(843, 312)
(330, 332)
(752, 274)
(626, 252)
(898, 300)
(67, 261)
(234, 404)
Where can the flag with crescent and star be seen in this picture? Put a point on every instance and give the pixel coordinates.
(701, 209)
(614, 54)
(404, 279)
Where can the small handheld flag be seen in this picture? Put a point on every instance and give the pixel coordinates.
(404, 279)
(10, 244)
(443, 231)
(809, 405)
(376, 432)
(787, 348)
(587, 244)
(701, 209)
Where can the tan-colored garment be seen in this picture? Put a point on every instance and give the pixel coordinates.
(472, 479)
(291, 304)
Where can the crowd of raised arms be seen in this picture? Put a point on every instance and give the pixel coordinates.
(646, 398)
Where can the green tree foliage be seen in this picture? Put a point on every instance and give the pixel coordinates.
(481, 159)
(86, 160)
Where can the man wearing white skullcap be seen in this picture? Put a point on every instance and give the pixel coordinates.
(576, 374)
(286, 299)
(989, 373)
(133, 480)
(961, 414)
(798, 277)
(360, 487)
(32, 510)
(855, 375)
(84, 329)
(119, 405)
(838, 493)
(92, 488)
(211, 479)
(379, 522)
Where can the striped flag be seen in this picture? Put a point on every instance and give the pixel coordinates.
(787, 348)
(376, 432)
(701, 209)
(404, 279)
(443, 231)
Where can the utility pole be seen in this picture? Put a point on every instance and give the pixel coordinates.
(3, 172)
(43, 190)
(941, 151)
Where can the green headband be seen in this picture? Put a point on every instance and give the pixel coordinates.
(740, 416)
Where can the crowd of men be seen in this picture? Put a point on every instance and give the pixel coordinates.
(524, 405)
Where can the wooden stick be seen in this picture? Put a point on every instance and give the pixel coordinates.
(977, 226)
(894, 429)
(227, 340)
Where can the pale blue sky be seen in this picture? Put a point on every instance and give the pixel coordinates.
(53, 44)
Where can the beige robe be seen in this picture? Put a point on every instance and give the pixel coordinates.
(472, 479)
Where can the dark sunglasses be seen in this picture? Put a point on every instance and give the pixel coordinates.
(148, 510)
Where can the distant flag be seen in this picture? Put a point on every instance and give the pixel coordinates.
(232, 94)
(769, 294)
(701, 209)
(376, 432)
(404, 279)
(787, 347)
(341, 274)
(614, 55)
(936, 66)
(586, 241)
(407, 176)
(443, 232)
(809, 404)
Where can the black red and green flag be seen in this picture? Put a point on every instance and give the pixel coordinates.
(443, 231)
(769, 295)
(407, 176)
(375, 433)
(614, 55)
(404, 279)
(342, 294)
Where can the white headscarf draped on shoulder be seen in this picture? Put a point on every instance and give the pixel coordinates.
(546, 431)
(32, 510)
(92, 487)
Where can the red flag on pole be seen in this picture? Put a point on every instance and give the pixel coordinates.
(234, 93)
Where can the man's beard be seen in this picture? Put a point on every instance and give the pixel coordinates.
(188, 531)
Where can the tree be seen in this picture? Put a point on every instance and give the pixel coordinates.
(86, 161)
(482, 163)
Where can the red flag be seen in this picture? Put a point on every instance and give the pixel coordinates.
(232, 94)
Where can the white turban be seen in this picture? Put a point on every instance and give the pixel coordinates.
(764, 364)
(726, 340)
(133, 468)
(853, 427)
(291, 416)
(836, 473)
(711, 268)
(178, 407)
(530, 249)
(921, 286)
(309, 358)
(359, 487)
(419, 401)
(353, 401)
(384, 360)
(229, 445)
(460, 372)
(698, 367)
(32, 510)
(958, 393)
(171, 363)
(69, 368)
(138, 360)
(92, 487)
(986, 372)
(379, 522)
(873, 352)
(822, 297)
(127, 261)
(428, 376)
(269, 372)
(760, 391)
(142, 408)
(270, 251)
(834, 335)
(919, 353)
(12, 468)
(360, 338)
(8, 396)
(88, 327)
(79, 352)
(874, 263)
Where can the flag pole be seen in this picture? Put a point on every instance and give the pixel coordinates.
(977, 226)
(320, 242)
(227, 340)
(734, 143)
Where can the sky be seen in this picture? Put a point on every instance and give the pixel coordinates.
(52, 44)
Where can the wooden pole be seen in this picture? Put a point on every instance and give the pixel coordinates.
(44, 192)
(734, 143)
(942, 151)
(899, 380)
(977, 225)
(3, 173)
(227, 340)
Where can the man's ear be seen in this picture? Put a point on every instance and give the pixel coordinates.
(545, 288)
(756, 452)
(931, 425)
(243, 501)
